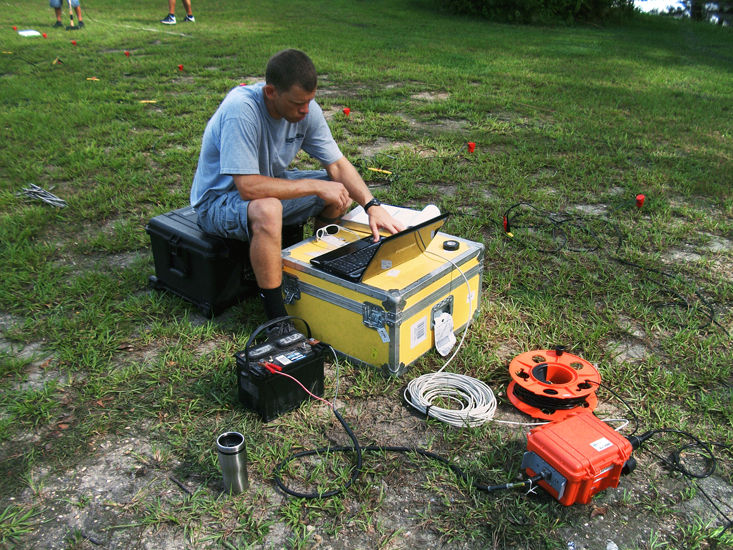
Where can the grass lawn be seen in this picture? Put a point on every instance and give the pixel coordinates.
(111, 395)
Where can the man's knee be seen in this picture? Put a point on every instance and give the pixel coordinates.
(265, 216)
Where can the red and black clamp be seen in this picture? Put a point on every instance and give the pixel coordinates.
(272, 367)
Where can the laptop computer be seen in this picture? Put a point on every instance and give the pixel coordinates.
(360, 260)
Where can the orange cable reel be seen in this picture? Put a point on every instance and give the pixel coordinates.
(552, 384)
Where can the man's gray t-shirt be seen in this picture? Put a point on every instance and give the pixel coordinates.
(243, 139)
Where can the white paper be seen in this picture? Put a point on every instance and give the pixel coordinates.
(29, 32)
(444, 337)
(407, 216)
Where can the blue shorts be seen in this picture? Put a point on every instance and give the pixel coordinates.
(226, 215)
(60, 3)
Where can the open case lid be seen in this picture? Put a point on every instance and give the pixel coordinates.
(403, 281)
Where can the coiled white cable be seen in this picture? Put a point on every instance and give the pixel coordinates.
(476, 400)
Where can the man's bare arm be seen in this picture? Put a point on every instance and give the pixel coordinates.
(343, 171)
(255, 186)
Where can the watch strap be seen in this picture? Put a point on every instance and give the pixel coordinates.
(373, 202)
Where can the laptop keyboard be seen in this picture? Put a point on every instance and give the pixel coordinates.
(354, 262)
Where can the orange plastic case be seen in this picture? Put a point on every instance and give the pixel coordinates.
(583, 454)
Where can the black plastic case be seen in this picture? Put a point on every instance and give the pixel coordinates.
(269, 394)
(211, 272)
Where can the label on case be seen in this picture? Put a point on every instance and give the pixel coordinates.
(288, 358)
(418, 332)
(601, 444)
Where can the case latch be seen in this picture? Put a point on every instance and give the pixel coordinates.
(373, 316)
(291, 288)
(444, 306)
(177, 257)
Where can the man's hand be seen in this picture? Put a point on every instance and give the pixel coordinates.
(379, 218)
(334, 193)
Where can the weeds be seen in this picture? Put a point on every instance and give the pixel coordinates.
(574, 121)
(16, 521)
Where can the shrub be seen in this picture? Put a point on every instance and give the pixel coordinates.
(540, 11)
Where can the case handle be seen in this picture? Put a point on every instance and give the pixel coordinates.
(268, 324)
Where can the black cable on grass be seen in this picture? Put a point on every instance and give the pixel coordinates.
(510, 223)
(17, 57)
(631, 410)
(578, 222)
(356, 471)
(675, 462)
(710, 313)
(512, 220)
(86, 13)
(152, 149)
(23, 59)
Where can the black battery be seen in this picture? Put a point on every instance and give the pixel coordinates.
(285, 350)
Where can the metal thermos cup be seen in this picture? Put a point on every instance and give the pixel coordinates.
(233, 461)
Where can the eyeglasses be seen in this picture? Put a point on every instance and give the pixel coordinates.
(331, 230)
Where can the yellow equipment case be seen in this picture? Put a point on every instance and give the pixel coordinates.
(386, 321)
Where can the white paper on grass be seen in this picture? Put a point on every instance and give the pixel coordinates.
(29, 32)
(407, 216)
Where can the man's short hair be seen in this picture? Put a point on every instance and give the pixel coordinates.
(291, 67)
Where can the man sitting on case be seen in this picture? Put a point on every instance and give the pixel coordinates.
(242, 188)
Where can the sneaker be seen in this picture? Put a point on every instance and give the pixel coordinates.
(169, 20)
(58, 24)
(81, 24)
(189, 19)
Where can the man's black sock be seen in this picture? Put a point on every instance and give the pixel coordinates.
(272, 299)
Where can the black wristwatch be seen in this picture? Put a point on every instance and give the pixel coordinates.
(373, 202)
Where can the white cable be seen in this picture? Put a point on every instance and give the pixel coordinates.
(621, 427)
(476, 399)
